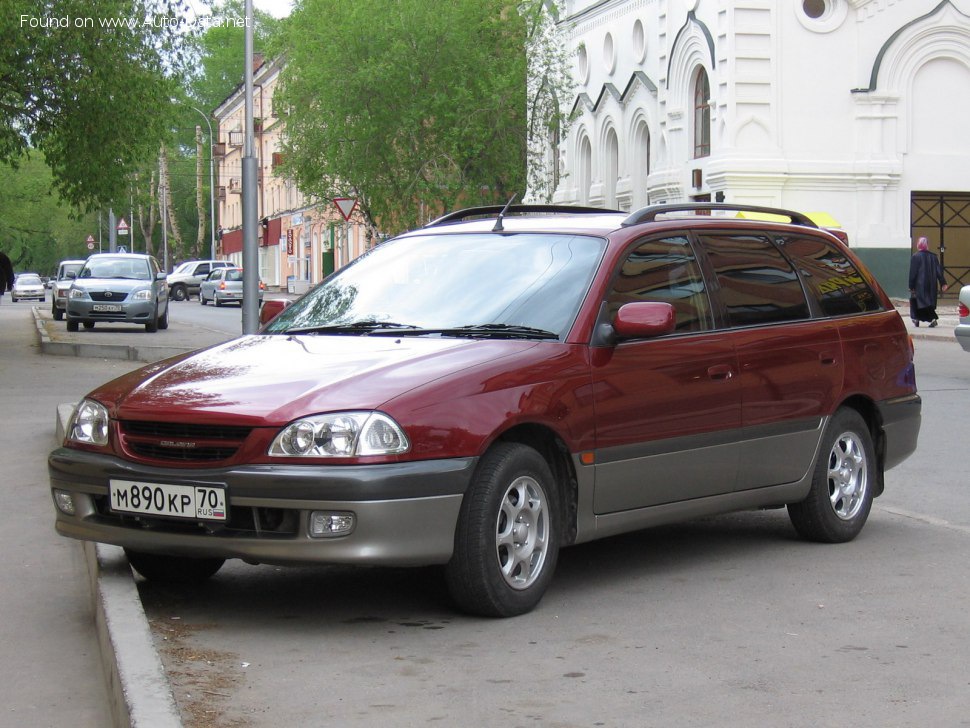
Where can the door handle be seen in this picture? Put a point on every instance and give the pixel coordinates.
(826, 358)
(720, 372)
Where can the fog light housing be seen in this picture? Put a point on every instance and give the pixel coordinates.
(327, 524)
(65, 502)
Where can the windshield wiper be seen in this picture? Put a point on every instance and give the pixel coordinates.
(479, 331)
(355, 327)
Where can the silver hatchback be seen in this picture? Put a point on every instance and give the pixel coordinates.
(119, 288)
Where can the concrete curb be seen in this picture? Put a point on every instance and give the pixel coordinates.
(138, 690)
(126, 352)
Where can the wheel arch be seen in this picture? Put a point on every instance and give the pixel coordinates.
(554, 451)
(869, 412)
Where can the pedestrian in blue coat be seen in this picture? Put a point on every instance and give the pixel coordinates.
(925, 279)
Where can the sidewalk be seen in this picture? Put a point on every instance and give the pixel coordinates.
(943, 331)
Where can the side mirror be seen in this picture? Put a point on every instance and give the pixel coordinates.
(644, 320)
(271, 308)
(161, 276)
(70, 275)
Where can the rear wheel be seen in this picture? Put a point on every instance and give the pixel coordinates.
(839, 501)
(215, 299)
(173, 569)
(507, 540)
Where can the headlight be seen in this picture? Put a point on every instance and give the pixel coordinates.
(341, 435)
(78, 293)
(145, 295)
(89, 424)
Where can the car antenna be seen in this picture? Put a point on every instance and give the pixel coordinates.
(498, 222)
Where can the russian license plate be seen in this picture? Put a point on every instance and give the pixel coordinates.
(113, 307)
(195, 502)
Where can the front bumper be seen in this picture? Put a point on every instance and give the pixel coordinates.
(405, 513)
(133, 312)
(962, 332)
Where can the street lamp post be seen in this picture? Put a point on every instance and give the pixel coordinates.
(212, 189)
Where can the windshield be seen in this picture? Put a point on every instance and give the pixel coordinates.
(121, 267)
(69, 268)
(466, 284)
(29, 280)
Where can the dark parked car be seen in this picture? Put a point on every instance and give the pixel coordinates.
(118, 288)
(500, 384)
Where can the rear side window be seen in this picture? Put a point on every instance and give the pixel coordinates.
(832, 279)
(665, 270)
(757, 283)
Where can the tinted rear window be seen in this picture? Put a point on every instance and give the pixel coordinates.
(757, 283)
(831, 278)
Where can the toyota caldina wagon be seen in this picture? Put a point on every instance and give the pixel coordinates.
(503, 383)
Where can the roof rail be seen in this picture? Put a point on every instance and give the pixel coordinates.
(495, 210)
(649, 214)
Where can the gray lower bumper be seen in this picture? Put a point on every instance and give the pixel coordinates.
(405, 513)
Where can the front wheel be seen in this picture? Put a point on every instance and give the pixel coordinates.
(179, 292)
(507, 540)
(173, 569)
(72, 325)
(839, 501)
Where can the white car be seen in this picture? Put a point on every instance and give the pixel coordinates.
(962, 330)
(28, 285)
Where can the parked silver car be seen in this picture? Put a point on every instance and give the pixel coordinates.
(962, 331)
(67, 271)
(29, 286)
(225, 285)
(119, 287)
(185, 280)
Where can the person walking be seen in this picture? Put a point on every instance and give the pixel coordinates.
(925, 279)
(6, 274)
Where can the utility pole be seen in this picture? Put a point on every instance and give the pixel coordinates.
(250, 304)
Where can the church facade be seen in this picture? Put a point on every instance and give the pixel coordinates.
(854, 111)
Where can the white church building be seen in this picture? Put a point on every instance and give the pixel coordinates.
(856, 111)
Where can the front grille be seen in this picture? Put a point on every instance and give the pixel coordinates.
(108, 296)
(180, 442)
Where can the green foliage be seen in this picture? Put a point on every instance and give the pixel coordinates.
(36, 229)
(94, 99)
(411, 106)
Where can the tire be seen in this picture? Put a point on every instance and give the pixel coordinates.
(57, 313)
(173, 569)
(845, 474)
(507, 539)
(163, 320)
(216, 301)
(201, 297)
(72, 325)
(152, 326)
(88, 325)
(179, 292)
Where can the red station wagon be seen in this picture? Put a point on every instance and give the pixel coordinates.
(500, 384)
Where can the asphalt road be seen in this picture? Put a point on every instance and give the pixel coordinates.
(727, 621)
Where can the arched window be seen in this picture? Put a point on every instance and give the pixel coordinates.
(585, 169)
(642, 161)
(702, 114)
(612, 171)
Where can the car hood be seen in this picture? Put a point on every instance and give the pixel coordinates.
(273, 379)
(111, 284)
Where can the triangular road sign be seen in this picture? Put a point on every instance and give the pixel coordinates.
(346, 205)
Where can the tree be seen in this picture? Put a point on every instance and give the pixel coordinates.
(410, 106)
(88, 83)
(37, 229)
